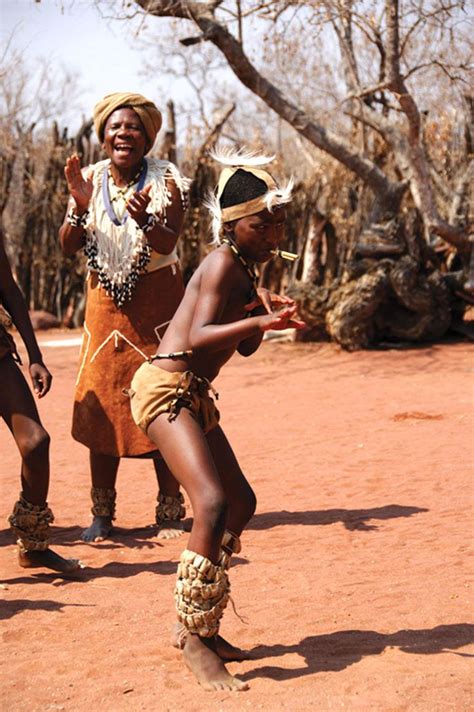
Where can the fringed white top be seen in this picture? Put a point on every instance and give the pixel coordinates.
(119, 253)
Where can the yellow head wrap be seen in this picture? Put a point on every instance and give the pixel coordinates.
(149, 115)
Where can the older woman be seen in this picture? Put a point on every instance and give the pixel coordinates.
(126, 212)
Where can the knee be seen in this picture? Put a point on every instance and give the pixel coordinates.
(243, 506)
(213, 510)
(34, 444)
(248, 503)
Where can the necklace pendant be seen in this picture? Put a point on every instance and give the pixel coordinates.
(106, 194)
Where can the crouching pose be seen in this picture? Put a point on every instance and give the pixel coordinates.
(31, 515)
(172, 400)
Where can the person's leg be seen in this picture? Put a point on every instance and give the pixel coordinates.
(241, 507)
(170, 509)
(202, 586)
(239, 494)
(103, 494)
(186, 452)
(31, 515)
(242, 504)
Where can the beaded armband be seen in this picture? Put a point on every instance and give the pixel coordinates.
(77, 220)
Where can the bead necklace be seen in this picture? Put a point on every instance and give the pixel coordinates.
(122, 192)
(141, 176)
(248, 268)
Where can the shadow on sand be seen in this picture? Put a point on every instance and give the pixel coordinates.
(352, 519)
(114, 569)
(146, 537)
(335, 651)
(17, 605)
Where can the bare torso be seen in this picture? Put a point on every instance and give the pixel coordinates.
(222, 285)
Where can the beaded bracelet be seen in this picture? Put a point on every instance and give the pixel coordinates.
(152, 220)
(77, 220)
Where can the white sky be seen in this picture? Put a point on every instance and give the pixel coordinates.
(72, 33)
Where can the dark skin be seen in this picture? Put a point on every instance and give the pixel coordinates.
(212, 321)
(125, 143)
(18, 410)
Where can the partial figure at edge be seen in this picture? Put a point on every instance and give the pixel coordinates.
(31, 517)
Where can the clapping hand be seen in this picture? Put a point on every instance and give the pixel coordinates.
(137, 205)
(79, 187)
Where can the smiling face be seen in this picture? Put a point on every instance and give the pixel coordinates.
(125, 141)
(258, 235)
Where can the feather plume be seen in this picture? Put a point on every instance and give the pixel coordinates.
(242, 157)
(279, 196)
(211, 202)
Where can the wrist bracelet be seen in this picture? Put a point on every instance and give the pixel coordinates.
(76, 220)
(151, 221)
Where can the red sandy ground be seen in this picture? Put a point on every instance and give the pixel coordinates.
(353, 577)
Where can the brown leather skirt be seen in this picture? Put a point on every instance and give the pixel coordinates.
(115, 343)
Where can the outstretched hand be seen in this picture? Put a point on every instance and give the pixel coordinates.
(285, 318)
(269, 300)
(138, 203)
(79, 187)
(40, 378)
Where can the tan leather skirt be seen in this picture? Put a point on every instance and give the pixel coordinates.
(115, 343)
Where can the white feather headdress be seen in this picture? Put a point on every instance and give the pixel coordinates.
(252, 162)
(211, 202)
(279, 196)
(241, 158)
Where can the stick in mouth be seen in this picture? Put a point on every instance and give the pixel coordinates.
(291, 256)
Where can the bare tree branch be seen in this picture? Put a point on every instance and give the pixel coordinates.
(416, 168)
(202, 14)
(407, 145)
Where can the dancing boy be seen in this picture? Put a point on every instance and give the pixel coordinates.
(171, 402)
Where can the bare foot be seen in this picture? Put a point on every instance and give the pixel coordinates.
(201, 658)
(227, 652)
(48, 559)
(170, 529)
(100, 529)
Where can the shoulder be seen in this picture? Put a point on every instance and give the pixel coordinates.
(165, 169)
(96, 168)
(99, 166)
(218, 258)
(220, 265)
